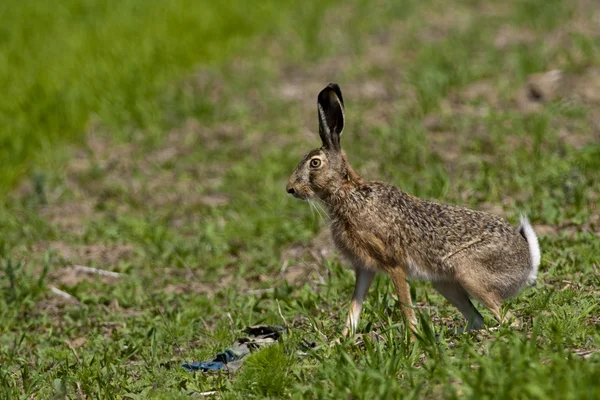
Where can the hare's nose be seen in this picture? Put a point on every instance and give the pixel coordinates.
(290, 189)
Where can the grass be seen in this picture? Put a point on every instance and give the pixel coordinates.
(169, 168)
(84, 58)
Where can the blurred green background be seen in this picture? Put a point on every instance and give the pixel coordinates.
(62, 64)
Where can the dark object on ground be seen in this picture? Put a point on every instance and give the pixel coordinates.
(232, 359)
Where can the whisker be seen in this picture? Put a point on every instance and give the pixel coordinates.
(314, 207)
(324, 211)
(319, 210)
(312, 212)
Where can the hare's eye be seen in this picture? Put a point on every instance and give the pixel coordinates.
(315, 163)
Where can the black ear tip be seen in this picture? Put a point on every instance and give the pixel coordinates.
(335, 88)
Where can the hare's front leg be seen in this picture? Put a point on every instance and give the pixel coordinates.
(398, 276)
(364, 278)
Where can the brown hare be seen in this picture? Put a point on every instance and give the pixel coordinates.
(464, 253)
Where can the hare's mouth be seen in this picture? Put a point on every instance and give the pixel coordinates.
(301, 196)
(300, 192)
(305, 195)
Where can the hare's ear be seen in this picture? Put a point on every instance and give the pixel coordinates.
(330, 105)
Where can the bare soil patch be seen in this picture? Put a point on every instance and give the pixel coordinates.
(303, 262)
(100, 254)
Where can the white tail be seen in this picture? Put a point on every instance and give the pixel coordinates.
(527, 232)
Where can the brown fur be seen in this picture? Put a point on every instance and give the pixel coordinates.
(378, 227)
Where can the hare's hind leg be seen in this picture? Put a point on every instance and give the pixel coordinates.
(459, 297)
(398, 276)
(364, 278)
(490, 298)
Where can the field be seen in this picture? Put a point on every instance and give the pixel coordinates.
(155, 140)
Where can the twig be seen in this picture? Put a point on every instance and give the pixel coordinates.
(231, 321)
(378, 337)
(281, 314)
(283, 267)
(584, 353)
(321, 279)
(81, 396)
(73, 350)
(62, 293)
(96, 271)
(204, 323)
(596, 270)
(316, 256)
(212, 392)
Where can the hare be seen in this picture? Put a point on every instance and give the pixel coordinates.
(464, 253)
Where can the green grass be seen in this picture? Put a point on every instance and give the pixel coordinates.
(61, 64)
(168, 165)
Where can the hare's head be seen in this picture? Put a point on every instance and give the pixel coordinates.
(323, 171)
